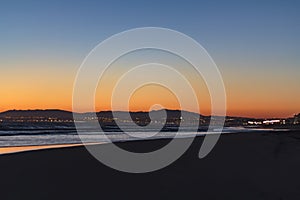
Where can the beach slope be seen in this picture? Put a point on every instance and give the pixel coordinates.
(241, 166)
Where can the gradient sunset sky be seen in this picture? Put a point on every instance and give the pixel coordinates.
(255, 44)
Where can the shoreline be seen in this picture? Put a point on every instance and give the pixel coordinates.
(22, 149)
(17, 149)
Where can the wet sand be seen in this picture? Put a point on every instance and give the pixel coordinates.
(241, 166)
(10, 150)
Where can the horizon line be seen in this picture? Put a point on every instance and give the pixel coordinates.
(59, 109)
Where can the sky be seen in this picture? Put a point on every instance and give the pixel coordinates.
(255, 44)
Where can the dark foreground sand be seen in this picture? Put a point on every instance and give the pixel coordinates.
(241, 166)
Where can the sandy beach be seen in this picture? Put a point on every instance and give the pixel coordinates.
(242, 166)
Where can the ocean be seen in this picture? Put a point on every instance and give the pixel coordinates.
(28, 134)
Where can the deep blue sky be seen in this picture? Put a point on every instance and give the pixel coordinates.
(225, 28)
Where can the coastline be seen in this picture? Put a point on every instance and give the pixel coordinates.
(17, 149)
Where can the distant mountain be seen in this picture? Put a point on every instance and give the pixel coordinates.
(37, 114)
(170, 115)
(142, 118)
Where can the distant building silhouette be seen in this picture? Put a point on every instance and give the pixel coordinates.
(297, 119)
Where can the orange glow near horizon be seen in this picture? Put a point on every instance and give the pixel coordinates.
(140, 100)
(41, 86)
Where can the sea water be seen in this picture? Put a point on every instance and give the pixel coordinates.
(45, 134)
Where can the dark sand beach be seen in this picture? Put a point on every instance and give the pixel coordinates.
(241, 166)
